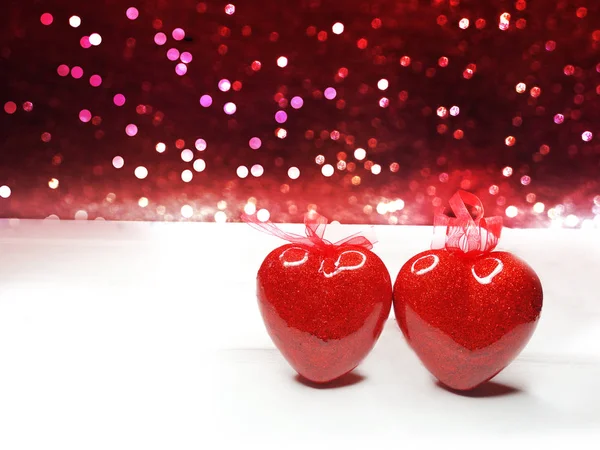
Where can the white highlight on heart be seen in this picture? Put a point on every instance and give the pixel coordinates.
(488, 279)
(436, 261)
(293, 263)
(339, 269)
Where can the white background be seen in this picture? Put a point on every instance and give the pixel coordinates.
(147, 336)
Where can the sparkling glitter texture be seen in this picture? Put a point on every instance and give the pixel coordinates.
(440, 95)
(467, 311)
(324, 305)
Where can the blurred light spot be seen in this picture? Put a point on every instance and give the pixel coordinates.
(384, 102)
(5, 191)
(442, 112)
(143, 202)
(242, 171)
(263, 215)
(297, 102)
(571, 220)
(131, 130)
(187, 211)
(75, 21)
(229, 9)
(85, 115)
(520, 88)
(81, 215)
(178, 34)
(46, 19)
(199, 165)
(250, 208)
(132, 13)
(85, 42)
(281, 133)
(454, 111)
(337, 28)
(53, 183)
(224, 85)
(161, 147)
(360, 154)
(206, 101)
(383, 84)
(229, 108)
(200, 145)
(376, 169)
(255, 143)
(160, 38)
(172, 54)
(220, 217)
(95, 39)
(512, 211)
(507, 171)
(464, 23)
(559, 118)
(587, 136)
(119, 99)
(538, 208)
(327, 170)
(280, 116)
(77, 72)
(257, 170)
(187, 155)
(187, 175)
(181, 69)
(293, 173)
(510, 141)
(282, 61)
(186, 57)
(330, 93)
(95, 80)
(525, 180)
(118, 162)
(140, 172)
(10, 107)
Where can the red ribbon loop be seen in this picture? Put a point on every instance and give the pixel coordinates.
(315, 230)
(463, 232)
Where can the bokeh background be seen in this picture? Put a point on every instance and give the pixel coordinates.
(366, 111)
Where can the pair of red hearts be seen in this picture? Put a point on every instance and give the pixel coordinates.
(465, 310)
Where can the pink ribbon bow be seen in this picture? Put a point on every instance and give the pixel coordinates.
(315, 230)
(463, 232)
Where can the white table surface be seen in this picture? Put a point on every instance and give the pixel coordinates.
(148, 336)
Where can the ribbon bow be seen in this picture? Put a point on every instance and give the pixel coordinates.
(315, 230)
(463, 232)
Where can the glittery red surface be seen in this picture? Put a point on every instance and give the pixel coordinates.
(369, 111)
(324, 312)
(467, 317)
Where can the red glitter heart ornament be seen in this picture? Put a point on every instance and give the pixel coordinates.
(324, 304)
(466, 310)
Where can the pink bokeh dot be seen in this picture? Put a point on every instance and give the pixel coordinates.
(46, 19)
(85, 115)
(119, 99)
(173, 54)
(206, 101)
(10, 107)
(131, 129)
(132, 13)
(85, 42)
(186, 57)
(255, 143)
(63, 70)
(160, 38)
(178, 34)
(230, 108)
(297, 102)
(77, 72)
(181, 69)
(280, 116)
(330, 93)
(95, 80)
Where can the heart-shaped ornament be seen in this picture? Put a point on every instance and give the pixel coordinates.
(465, 310)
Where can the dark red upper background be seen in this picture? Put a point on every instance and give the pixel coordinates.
(510, 79)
